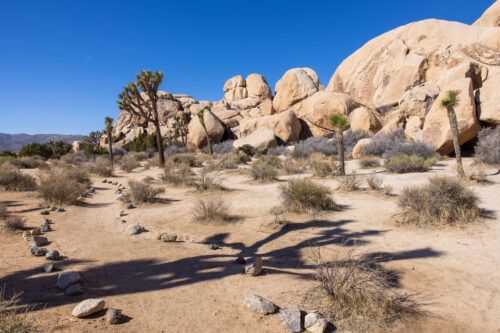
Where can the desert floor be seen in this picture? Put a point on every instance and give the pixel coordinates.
(188, 287)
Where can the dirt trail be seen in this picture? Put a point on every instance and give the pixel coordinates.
(187, 287)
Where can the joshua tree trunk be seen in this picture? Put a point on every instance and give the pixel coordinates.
(110, 147)
(159, 141)
(456, 145)
(340, 148)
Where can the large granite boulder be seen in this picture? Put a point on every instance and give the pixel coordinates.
(285, 126)
(197, 138)
(295, 85)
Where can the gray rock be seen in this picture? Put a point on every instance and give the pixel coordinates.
(44, 212)
(314, 322)
(74, 290)
(37, 241)
(45, 227)
(36, 231)
(49, 268)
(38, 251)
(66, 279)
(114, 316)
(291, 318)
(61, 210)
(53, 255)
(122, 213)
(88, 307)
(259, 304)
(255, 268)
(136, 229)
(129, 205)
(168, 238)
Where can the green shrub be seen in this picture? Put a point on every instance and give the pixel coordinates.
(303, 194)
(211, 211)
(14, 180)
(143, 142)
(141, 192)
(443, 201)
(36, 149)
(409, 163)
(7, 153)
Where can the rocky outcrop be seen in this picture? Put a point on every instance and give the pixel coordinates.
(197, 138)
(285, 126)
(293, 87)
(491, 17)
(261, 139)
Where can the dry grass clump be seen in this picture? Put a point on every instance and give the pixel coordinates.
(141, 192)
(13, 317)
(265, 169)
(14, 180)
(356, 293)
(349, 183)
(374, 182)
(323, 168)
(63, 186)
(101, 167)
(26, 162)
(443, 201)
(211, 211)
(3, 211)
(304, 195)
(14, 223)
(230, 161)
(177, 175)
(292, 166)
(129, 163)
(409, 163)
(208, 180)
(188, 159)
(368, 162)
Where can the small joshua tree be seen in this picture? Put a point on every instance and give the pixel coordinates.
(340, 123)
(108, 124)
(201, 117)
(91, 142)
(181, 121)
(141, 99)
(449, 101)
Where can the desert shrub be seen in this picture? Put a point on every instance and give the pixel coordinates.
(292, 166)
(409, 163)
(143, 142)
(148, 179)
(7, 153)
(374, 182)
(141, 192)
(487, 149)
(211, 211)
(208, 180)
(14, 223)
(277, 151)
(75, 158)
(14, 317)
(357, 293)
(14, 180)
(444, 201)
(101, 167)
(177, 174)
(328, 146)
(3, 211)
(387, 189)
(188, 159)
(368, 162)
(303, 194)
(129, 163)
(29, 162)
(323, 167)
(480, 176)
(229, 161)
(349, 183)
(175, 149)
(247, 149)
(264, 169)
(394, 143)
(225, 147)
(63, 186)
(36, 149)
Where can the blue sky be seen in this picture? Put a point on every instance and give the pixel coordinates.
(62, 63)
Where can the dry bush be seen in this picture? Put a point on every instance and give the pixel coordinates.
(323, 168)
(141, 192)
(368, 162)
(480, 176)
(328, 146)
(3, 211)
(14, 180)
(188, 159)
(101, 167)
(177, 174)
(148, 179)
(14, 318)
(349, 183)
(211, 211)
(357, 294)
(374, 182)
(487, 149)
(79, 175)
(304, 195)
(14, 223)
(63, 186)
(292, 166)
(230, 161)
(265, 169)
(129, 163)
(394, 143)
(409, 163)
(27, 162)
(208, 181)
(387, 189)
(75, 158)
(443, 201)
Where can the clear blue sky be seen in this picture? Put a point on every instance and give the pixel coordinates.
(62, 63)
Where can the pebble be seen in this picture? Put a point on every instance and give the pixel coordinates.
(53, 255)
(168, 238)
(254, 268)
(260, 304)
(114, 316)
(88, 307)
(314, 322)
(74, 290)
(38, 251)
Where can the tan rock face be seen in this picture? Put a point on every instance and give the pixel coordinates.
(413, 129)
(257, 86)
(196, 136)
(436, 129)
(285, 126)
(488, 98)
(418, 100)
(262, 139)
(365, 119)
(491, 17)
(358, 148)
(294, 86)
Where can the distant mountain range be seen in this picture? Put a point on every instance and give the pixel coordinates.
(14, 142)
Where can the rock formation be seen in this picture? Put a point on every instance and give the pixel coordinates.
(394, 81)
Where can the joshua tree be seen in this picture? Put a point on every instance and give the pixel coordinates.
(91, 142)
(340, 123)
(201, 117)
(449, 101)
(141, 99)
(108, 124)
(181, 121)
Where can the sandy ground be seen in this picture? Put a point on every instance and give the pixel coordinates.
(188, 287)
